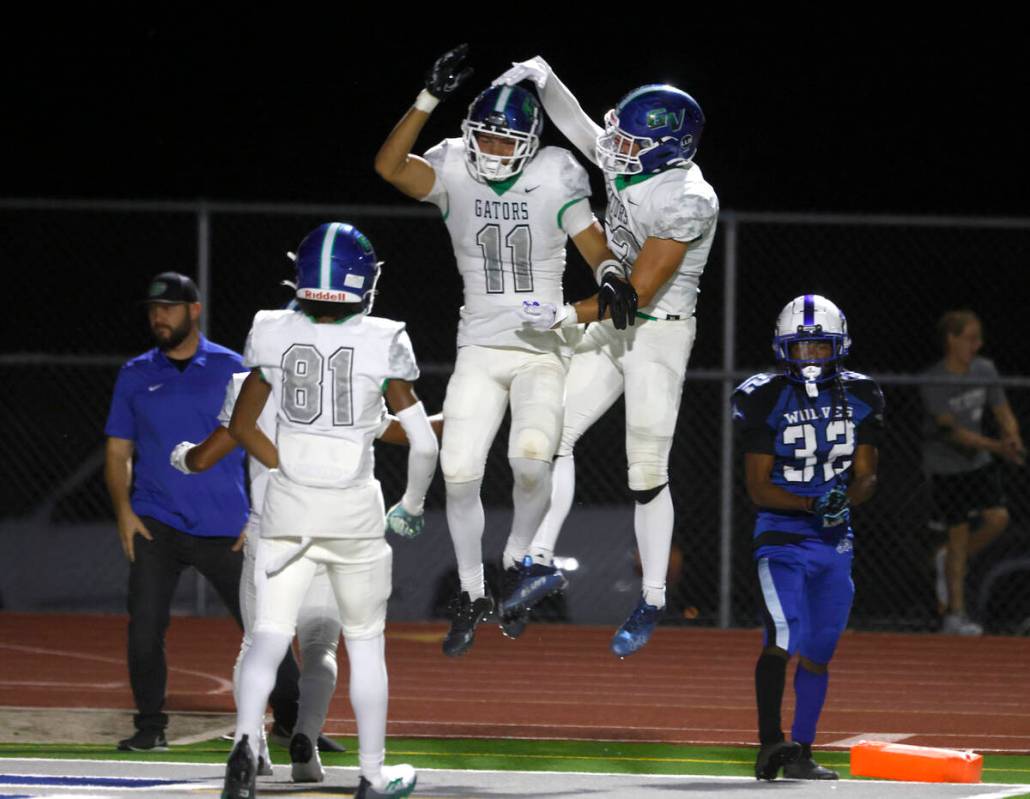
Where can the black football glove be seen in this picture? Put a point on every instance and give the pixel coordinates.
(618, 297)
(446, 74)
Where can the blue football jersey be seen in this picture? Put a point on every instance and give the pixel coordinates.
(812, 439)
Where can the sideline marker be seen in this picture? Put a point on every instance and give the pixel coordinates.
(889, 761)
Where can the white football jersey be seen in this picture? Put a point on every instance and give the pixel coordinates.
(509, 239)
(675, 204)
(327, 385)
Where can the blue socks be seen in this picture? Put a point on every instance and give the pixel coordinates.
(810, 693)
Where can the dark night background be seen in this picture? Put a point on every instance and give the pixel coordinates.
(803, 114)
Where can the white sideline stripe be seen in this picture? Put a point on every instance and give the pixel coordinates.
(772, 604)
(886, 737)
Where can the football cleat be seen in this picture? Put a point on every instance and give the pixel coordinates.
(397, 781)
(306, 766)
(240, 772)
(512, 622)
(405, 524)
(465, 616)
(772, 757)
(636, 631)
(804, 768)
(536, 582)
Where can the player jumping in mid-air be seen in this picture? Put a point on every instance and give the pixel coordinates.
(327, 366)
(660, 222)
(810, 435)
(509, 207)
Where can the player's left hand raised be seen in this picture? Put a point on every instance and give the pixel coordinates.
(447, 74)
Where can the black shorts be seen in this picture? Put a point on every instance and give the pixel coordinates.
(959, 496)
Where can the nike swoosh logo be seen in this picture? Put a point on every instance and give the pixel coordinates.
(534, 188)
(631, 202)
(155, 388)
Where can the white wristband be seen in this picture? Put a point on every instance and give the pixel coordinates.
(426, 102)
(610, 265)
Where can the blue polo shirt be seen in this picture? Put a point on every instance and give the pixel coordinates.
(156, 406)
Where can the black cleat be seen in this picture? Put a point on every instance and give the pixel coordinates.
(144, 741)
(240, 772)
(465, 615)
(804, 768)
(512, 621)
(773, 757)
(281, 736)
(305, 765)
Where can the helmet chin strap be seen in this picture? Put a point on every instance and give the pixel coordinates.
(811, 374)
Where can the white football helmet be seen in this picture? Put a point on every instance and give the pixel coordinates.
(811, 318)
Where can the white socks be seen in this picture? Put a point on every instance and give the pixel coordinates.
(255, 681)
(653, 525)
(368, 699)
(530, 495)
(466, 521)
(563, 489)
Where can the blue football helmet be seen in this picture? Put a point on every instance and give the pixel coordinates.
(652, 128)
(811, 318)
(336, 263)
(509, 113)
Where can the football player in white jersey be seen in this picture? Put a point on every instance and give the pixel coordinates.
(327, 366)
(318, 621)
(509, 207)
(660, 221)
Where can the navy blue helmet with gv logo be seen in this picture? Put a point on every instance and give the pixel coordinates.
(652, 128)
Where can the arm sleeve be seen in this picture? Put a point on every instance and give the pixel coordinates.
(682, 214)
(436, 156)
(121, 420)
(567, 115)
(402, 364)
(870, 430)
(232, 391)
(749, 419)
(575, 215)
(422, 456)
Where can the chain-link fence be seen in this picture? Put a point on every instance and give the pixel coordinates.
(77, 271)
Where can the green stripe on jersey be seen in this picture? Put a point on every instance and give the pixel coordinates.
(501, 186)
(564, 208)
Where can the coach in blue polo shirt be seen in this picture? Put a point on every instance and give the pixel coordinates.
(168, 520)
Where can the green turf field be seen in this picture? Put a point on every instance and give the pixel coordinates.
(463, 753)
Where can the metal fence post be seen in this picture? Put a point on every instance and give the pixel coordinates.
(729, 326)
(204, 284)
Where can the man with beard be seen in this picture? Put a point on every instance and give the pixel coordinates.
(168, 520)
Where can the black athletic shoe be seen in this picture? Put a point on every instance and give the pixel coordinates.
(805, 768)
(305, 764)
(240, 772)
(773, 757)
(281, 736)
(465, 615)
(144, 741)
(513, 622)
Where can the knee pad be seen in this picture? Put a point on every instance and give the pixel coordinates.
(460, 466)
(645, 476)
(646, 495)
(529, 473)
(532, 444)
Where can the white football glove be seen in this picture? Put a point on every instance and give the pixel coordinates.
(546, 315)
(535, 69)
(408, 525)
(178, 459)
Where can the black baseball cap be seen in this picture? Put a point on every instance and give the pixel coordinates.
(172, 288)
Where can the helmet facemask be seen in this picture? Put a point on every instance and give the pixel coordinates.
(487, 166)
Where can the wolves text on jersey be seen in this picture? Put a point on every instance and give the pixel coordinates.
(815, 414)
